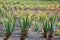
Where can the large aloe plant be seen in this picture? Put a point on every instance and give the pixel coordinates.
(8, 23)
(25, 23)
(51, 26)
(44, 19)
(52, 22)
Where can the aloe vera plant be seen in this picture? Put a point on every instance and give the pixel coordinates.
(8, 23)
(51, 26)
(25, 23)
(41, 17)
(44, 19)
(36, 25)
(52, 21)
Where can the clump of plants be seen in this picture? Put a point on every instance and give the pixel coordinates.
(48, 26)
(51, 26)
(44, 20)
(8, 23)
(25, 20)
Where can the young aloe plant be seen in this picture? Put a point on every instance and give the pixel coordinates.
(45, 25)
(41, 17)
(36, 25)
(51, 26)
(8, 23)
(25, 23)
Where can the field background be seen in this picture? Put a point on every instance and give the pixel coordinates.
(9, 5)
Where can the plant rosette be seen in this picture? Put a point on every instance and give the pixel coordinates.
(9, 23)
(25, 23)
